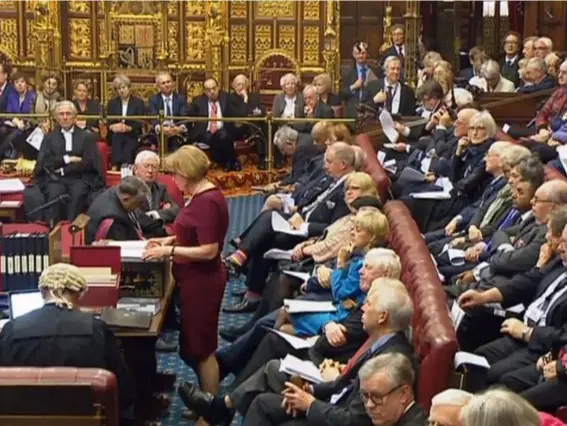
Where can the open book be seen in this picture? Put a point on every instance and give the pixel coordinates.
(130, 250)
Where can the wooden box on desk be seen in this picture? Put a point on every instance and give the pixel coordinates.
(99, 256)
(144, 279)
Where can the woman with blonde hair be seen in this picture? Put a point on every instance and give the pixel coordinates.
(455, 97)
(200, 230)
(324, 84)
(340, 132)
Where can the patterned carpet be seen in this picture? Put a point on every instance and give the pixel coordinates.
(242, 211)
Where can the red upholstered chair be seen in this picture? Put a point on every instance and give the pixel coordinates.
(104, 153)
(433, 334)
(57, 384)
(551, 173)
(172, 189)
(339, 111)
(373, 167)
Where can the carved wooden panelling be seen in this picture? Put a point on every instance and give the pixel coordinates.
(194, 41)
(311, 48)
(275, 9)
(101, 28)
(238, 9)
(172, 7)
(311, 10)
(286, 38)
(79, 38)
(238, 43)
(79, 6)
(8, 6)
(9, 36)
(172, 39)
(263, 39)
(194, 8)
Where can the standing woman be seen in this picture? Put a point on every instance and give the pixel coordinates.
(200, 230)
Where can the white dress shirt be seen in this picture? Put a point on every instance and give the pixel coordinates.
(289, 110)
(397, 92)
(124, 109)
(68, 136)
(219, 115)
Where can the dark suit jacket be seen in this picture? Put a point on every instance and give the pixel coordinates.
(13, 102)
(300, 163)
(466, 74)
(52, 153)
(331, 208)
(322, 110)
(178, 105)
(511, 72)
(349, 410)
(200, 108)
(487, 197)
(407, 97)
(308, 191)
(333, 100)
(468, 173)
(390, 51)
(160, 197)
(414, 416)
(246, 109)
(353, 98)
(92, 108)
(6, 93)
(135, 107)
(547, 83)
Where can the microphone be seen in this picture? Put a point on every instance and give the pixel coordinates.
(64, 198)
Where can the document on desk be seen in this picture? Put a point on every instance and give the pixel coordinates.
(11, 185)
(279, 224)
(431, 195)
(296, 342)
(304, 369)
(297, 306)
(35, 138)
(470, 359)
(278, 254)
(301, 275)
(388, 127)
(130, 250)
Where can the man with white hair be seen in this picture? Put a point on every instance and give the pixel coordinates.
(446, 407)
(543, 46)
(537, 76)
(269, 397)
(491, 80)
(68, 165)
(313, 108)
(390, 92)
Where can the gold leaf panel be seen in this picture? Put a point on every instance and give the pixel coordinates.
(273, 9)
(263, 39)
(30, 40)
(195, 40)
(8, 5)
(141, 90)
(79, 38)
(172, 34)
(194, 8)
(144, 36)
(311, 45)
(238, 43)
(9, 36)
(311, 9)
(193, 89)
(101, 24)
(172, 8)
(286, 39)
(126, 34)
(238, 9)
(79, 6)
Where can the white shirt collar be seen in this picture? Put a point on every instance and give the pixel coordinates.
(68, 132)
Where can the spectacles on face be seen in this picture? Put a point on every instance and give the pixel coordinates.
(377, 399)
(150, 166)
(540, 200)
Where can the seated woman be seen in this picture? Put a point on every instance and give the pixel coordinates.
(324, 84)
(46, 100)
(17, 129)
(59, 335)
(86, 106)
(343, 283)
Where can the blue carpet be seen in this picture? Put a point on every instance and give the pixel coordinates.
(242, 211)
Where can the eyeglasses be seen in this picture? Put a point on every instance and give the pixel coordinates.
(540, 200)
(377, 399)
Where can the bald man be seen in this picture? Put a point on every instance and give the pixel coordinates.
(217, 136)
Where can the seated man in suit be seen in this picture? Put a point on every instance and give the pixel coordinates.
(249, 104)
(112, 214)
(267, 395)
(59, 335)
(537, 76)
(390, 92)
(158, 209)
(513, 55)
(173, 105)
(491, 80)
(354, 84)
(314, 108)
(69, 162)
(216, 135)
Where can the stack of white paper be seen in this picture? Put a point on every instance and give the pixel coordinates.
(130, 250)
(296, 306)
(11, 185)
(279, 224)
(296, 342)
(470, 359)
(278, 254)
(304, 369)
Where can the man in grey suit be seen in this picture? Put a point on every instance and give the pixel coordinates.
(268, 397)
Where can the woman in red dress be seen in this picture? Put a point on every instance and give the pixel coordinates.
(200, 230)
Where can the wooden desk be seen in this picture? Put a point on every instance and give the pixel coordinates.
(11, 209)
(518, 109)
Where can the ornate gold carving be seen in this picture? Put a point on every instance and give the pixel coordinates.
(275, 9)
(214, 37)
(101, 24)
(263, 39)
(193, 88)
(138, 41)
(172, 35)
(9, 37)
(311, 9)
(79, 38)
(141, 90)
(8, 5)
(194, 8)
(138, 7)
(30, 40)
(195, 40)
(126, 34)
(286, 39)
(172, 8)
(79, 6)
(311, 47)
(238, 9)
(387, 25)
(238, 43)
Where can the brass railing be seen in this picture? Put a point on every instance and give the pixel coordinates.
(269, 119)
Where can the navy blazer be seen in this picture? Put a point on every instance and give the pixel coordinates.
(468, 172)
(135, 107)
(547, 83)
(330, 209)
(13, 102)
(487, 197)
(178, 105)
(6, 93)
(200, 108)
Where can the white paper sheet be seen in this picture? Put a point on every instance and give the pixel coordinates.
(133, 249)
(433, 195)
(470, 359)
(425, 164)
(388, 127)
(287, 201)
(381, 156)
(456, 256)
(297, 306)
(498, 309)
(296, 342)
(305, 369)
(11, 185)
(35, 138)
(278, 254)
(562, 154)
(301, 275)
(457, 315)
(389, 145)
(279, 224)
(10, 204)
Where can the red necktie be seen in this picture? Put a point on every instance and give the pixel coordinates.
(214, 114)
(361, 351)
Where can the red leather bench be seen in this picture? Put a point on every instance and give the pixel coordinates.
(102, 383)
(551, 173)
(433, 334)
(373, 167)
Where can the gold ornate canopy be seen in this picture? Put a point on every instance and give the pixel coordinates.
(193, 39)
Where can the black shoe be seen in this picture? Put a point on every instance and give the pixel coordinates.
(245, 306)
(163, 346)
(205, 405)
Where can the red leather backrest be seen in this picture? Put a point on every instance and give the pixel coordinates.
(433, 334)
(551, 173)
(339, 111)
(373, 167)
(104, 152)
(103, 229)
(102, 382)
(172, 189)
